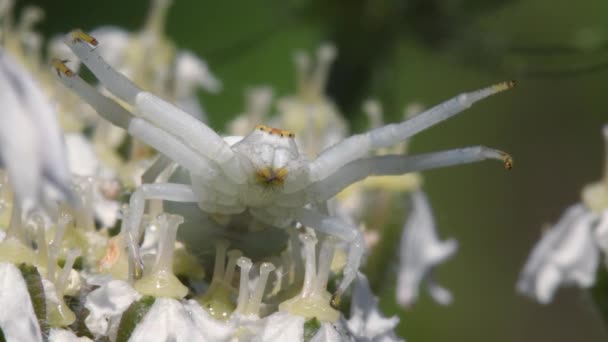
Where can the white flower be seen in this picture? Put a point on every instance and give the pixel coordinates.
(17, 319)
(106, 305)
(31, 145)
(61, 335)
(169, 320)
(366, 321)
(566, 254)
(569, 252)
(98, 183)
(420, 252)
(283, 326)
(601, 235)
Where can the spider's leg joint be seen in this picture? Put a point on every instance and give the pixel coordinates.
(80, 35)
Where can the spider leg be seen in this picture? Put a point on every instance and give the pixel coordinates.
(106, 107)
(386, 165)
(161, 113)
(358, 146)
(159, 165)
(164, 142)
(137, 203)
(344, 231)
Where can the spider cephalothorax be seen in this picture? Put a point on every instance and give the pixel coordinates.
(263, 173)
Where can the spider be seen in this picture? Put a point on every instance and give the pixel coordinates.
(263, 173)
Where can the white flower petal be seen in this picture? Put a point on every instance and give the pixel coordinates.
(34, 158)
(420, 249)
(60, 335)
(17, 318)
(366, 321)
(191, 71)
(106, 305)
(440, 294)
(327, 333)
(601, 234)
(282, 326)
(547, 281)
(567, 254)
(82, 160)
(167, 320)
(213, 329)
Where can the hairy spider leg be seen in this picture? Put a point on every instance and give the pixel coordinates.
(159, 112)
(359, 145)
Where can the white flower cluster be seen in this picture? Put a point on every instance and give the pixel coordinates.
(72, 270)
(568, 253)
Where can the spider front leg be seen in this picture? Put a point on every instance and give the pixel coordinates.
(391, 165)
(342, 230)
(137, 203)
(360, 145)
(174, 121)
(164, 142)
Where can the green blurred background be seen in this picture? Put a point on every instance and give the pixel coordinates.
(427, 51)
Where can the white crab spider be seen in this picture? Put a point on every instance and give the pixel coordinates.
(262, 173)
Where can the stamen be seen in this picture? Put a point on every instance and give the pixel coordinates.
(58, 312)
(373, 111)
(314, 300)
(259, 100)
(161, 282)
(55, 245)
(155, 22)
(133, 264)
(15, 227)
(297, 268)
(326, 54)
(243, 298)
(41, 244)
(218, 298)
(309, 242)
(256, 299)
(220, 259)
(302, 63)
(233, 255)
(326, 256)
(85, 215)
(62, 280)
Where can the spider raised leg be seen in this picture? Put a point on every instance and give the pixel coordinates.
(263, 174)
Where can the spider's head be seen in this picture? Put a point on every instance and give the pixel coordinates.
(273, 153)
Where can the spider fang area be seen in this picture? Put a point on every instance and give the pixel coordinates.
(271, 177)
